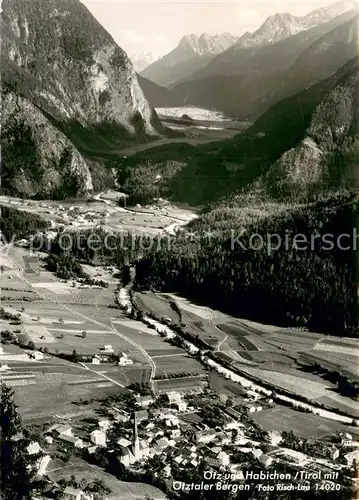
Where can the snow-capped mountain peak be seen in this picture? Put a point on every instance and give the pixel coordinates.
(207, 44)
(283, 25)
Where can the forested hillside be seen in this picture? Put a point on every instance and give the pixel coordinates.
(297, 168)
(308, 285)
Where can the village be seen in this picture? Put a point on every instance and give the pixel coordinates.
(169, 434)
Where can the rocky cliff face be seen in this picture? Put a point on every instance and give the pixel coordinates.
(66, 81)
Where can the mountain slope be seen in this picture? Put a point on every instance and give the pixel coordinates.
(191, 54)
(266, 78)
(69, 76)
(157, 96)
(288, 220)
(209, 172)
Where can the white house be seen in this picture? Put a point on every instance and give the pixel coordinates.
(1, 350)
(108, 348)
(223, 458)
(352, 458)
(4, 368)
(334, 453)
(275, 437)
(124, 361)
(174, 397)
(43, 464)
(176, 433)
(124, 442)
(167, 471)
(33, 448)
(37, 355)
(104, 424)
(145, 401)
(182, 406)
(265, 460)
(72, 440)
(96, 360)
(98, 438)
(205, 436)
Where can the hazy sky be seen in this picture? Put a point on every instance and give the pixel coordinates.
(158, 25)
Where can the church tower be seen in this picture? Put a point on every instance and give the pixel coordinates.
(136, 441)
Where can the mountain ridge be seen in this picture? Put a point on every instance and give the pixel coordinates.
(59, 62)
(191, 53)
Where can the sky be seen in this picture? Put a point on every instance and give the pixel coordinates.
(158, 25)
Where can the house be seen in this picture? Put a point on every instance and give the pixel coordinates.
(205, 436)
(43, 464)
(108, 349)
(4, 368)
(346, 439)
(257, 452)
(125, 456)
(92, 449)
(167, 471)
(174, 397)
(96, 360)
(334, 453)
(352, 458)
(104, 424)
(72, 440)
(1, 350)
(145, 401)
(124, 361)
(223, 459)
(176, 433)
(274, 437)
(265, 460)
(163, 443)
(222, 438)
(181, 406)
(33, 448)
(98, 437)
(71, 493)
(36, 355)
(141, 415)
(58, 430)
(124, 442)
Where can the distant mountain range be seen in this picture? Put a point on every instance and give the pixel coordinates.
(282, 25)
(192, 53)
(244, 82)
(143, 60)
(70, 96)
(199, 56)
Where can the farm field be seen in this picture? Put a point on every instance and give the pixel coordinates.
(313, 387)
(180, 363)
(45, 388)
(119, 489)
(347, 363)
(305, 425)
(223, 386)
(151, 302)
(188, 384)
(63, 319)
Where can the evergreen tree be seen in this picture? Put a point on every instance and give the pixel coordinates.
(15, 483)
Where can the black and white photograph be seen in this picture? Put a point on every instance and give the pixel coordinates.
(179, 250)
